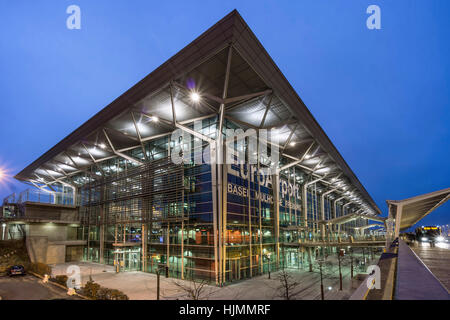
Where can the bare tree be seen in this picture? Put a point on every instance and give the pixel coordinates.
(194, 290)
(288, 287)
(327, 272)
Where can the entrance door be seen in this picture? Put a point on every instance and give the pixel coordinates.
(235, 267)
(133, 261)
(128, 259)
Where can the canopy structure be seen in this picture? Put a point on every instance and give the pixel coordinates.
(206, 220)
(408, 212)
(257, 96)
(351, 217)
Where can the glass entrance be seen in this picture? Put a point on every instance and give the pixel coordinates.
(127, 259)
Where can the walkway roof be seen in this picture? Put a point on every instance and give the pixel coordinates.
(416, 208)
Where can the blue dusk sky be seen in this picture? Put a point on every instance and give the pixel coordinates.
(382, 96)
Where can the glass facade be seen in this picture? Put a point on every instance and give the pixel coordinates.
(164, 216)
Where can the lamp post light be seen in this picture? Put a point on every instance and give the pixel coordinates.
(322, 294)
(158, 275)
(3, 231)
(157, 284)
(351, 263)
(341, 253)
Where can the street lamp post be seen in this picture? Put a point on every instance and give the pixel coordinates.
(322, 294)
(351, 263)
(341, 252)
(158, 276)
(3, 231)
(157, 283)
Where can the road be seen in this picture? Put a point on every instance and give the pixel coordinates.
(437, 259)
(30, 288)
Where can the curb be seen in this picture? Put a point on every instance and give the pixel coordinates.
(57, 284)
(390, 282)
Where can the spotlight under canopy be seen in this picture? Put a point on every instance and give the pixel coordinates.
(195, 97)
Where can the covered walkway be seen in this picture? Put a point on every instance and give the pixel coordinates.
(414, 281)
(406, 213)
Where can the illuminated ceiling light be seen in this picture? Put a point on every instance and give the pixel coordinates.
(292, 144)
(155, 119)
(102, 145)
(307, 156)
(195, 97)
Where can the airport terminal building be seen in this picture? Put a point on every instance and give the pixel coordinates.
(138, 210)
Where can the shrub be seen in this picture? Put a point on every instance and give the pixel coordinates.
(40, 268)
(117, 295)
(96, 292)
(90, 289)
(61, 279)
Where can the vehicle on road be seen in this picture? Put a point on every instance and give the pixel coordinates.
(16, 270)
(430, 234)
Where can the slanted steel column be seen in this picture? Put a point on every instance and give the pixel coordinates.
(322, 208)
(144, 237)
(335, 210)
(224, 214)
(260, 219)
(217, 237)
(389, 224)
(219, 185)
(305, 199)
(398, 219)
(220, 189)
(343, 213)
(276, 206)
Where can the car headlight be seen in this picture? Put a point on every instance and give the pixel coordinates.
(424, 239)
(440, 238)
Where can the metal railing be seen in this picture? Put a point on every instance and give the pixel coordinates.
(39, 196)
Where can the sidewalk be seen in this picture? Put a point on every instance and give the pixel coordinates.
(142, 286)
(414, 280)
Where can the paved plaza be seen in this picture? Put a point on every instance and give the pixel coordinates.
(142, 286)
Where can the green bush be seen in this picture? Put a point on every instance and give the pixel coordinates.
(96, 292)
(40, 268)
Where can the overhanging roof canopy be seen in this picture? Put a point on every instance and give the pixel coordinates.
(416, 208)
(258, 96)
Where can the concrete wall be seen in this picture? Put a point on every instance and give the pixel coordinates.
(74, 253)
(44, 242)
(50, 212)
(52, 231)
(56, 253)
(37, 248)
